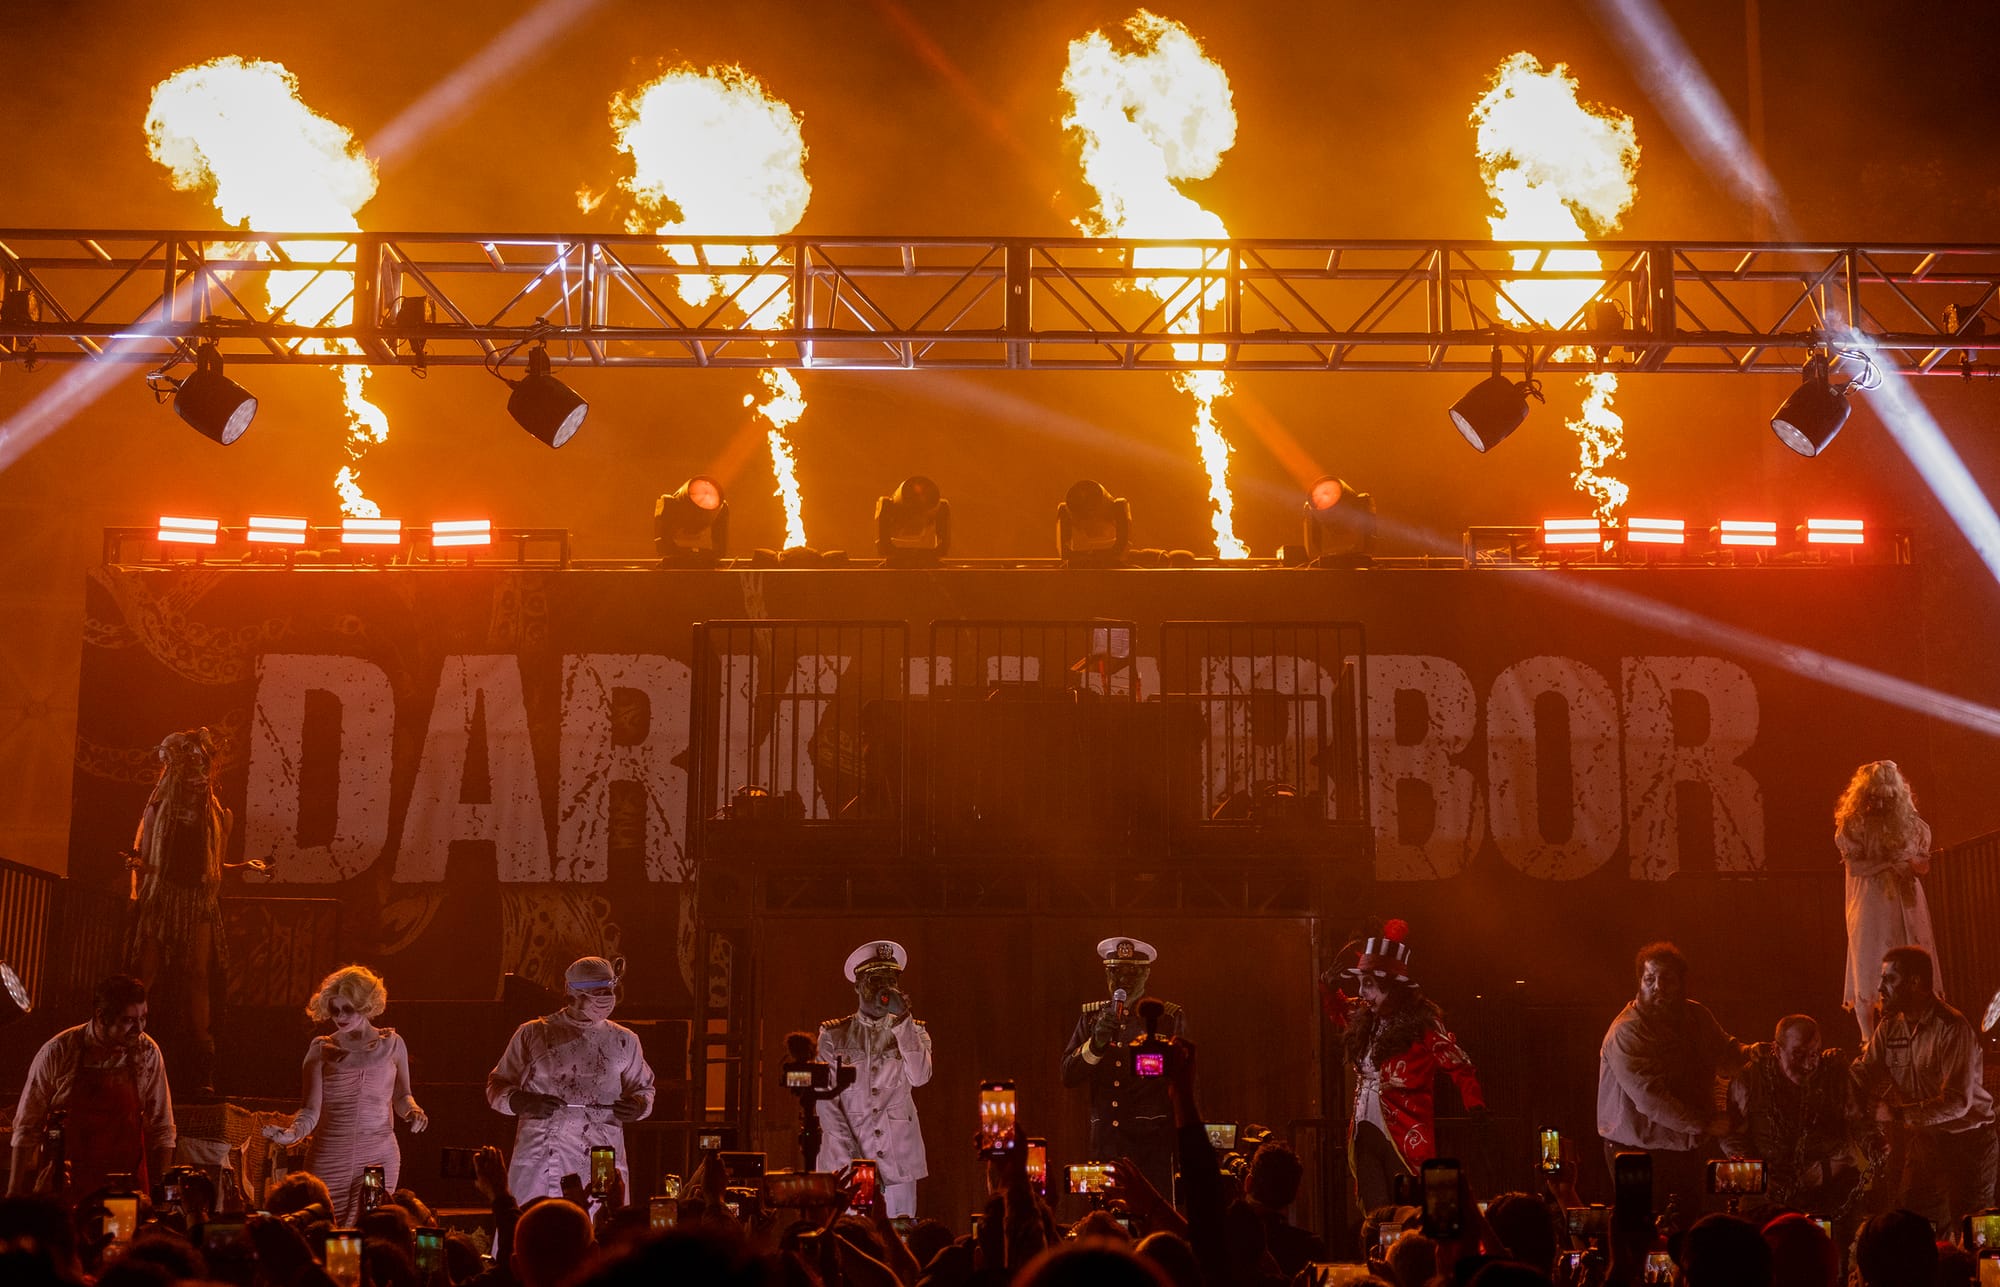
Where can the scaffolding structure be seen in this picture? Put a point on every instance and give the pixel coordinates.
(464, 299)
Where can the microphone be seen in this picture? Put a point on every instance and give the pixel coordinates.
(1118, 1002)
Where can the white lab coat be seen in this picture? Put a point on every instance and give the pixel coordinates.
(592, 1064)
(876, 1116)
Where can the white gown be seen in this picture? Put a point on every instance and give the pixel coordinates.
(591, 1064)
(1885, 908)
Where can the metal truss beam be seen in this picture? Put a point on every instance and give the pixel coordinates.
(995, 303)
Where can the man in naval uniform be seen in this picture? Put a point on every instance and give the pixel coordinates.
(876, 1117)
(1130, 1115)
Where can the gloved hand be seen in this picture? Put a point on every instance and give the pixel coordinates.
(1105, 1031)
(629, 1109)
(528, 1104)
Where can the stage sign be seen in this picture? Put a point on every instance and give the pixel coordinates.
(490, 769)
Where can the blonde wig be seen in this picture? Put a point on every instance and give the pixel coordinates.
(357, 985)
(1877, 813)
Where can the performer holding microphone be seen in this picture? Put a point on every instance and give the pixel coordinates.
(876, 1117)
(1130, 1114)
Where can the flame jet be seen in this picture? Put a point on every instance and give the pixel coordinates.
(714, 154)
(1148, 118)
(1560, 170)
(276, 165)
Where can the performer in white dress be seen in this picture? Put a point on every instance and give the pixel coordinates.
(1886, 847)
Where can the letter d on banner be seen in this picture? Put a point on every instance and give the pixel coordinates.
(273, 801)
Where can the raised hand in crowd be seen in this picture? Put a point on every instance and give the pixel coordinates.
(1129, 1185)
(489, 1173)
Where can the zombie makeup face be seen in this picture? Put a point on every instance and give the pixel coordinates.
(1661, 987)
(123, 1027)
(1798, 1054)
(873, 985)
(1373, 991)
(1129, 975)
(344, 1017)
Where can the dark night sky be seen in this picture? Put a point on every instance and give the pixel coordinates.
(1352, 122)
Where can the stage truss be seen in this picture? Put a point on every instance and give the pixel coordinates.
(1000, 303)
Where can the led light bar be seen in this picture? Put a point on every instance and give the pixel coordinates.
(1833, 531)
(265, 530)
(469, 531)
(1733, 531)
(1570, 531)
(371, 531)
(188, 531)
(1656, 531)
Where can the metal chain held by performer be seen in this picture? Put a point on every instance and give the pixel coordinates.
(573, 1078)
(1791, 1107)
(1117, 1048)
(1397, 1044)
(890, 1050)
(108, 1082)
(1657, 1074)
(355, 1083)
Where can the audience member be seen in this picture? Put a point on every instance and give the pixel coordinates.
(1526, 1226)
(551, 1240)
(1896, 1249)
(1792, 1106)
(1802, 1255)
(1272, 1187)
(1957, 1267)
(1725, 1251)
(1096, 1265)
(297, 1192)
(1508, 1273)
(1174, 1257)
(1412, 1259)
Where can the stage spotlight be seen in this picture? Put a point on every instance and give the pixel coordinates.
(691, 524)
(1093, 527)
(1812, 416)
(412, 313)
(217, 406)
(19, 307)
(542, 404)
(1494, 408)
(913, 525)
(14, 1000)
(1340, 523)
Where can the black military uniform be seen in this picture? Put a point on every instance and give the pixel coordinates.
(1130, 1116)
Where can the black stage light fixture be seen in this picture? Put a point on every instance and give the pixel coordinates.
(691, 524)
(1811, 417)
(1494, 408)
(913, 524)
(217, 406)
(542, 404)
(1340, 522)
(1093, 527)
(413, 313)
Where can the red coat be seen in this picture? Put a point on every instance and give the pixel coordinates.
(1409, 1103)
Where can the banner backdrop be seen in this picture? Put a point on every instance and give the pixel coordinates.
(489, 768)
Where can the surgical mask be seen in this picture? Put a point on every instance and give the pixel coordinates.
(594, 1007)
